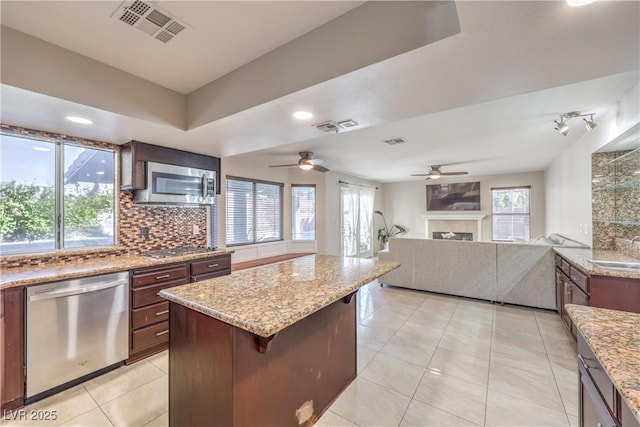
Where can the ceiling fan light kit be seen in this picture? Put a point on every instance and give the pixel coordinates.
(563, 127)
(436, 173)
(306, 162)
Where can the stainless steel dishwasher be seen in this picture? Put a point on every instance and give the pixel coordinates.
(75, 328)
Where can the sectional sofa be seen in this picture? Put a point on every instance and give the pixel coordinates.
(515, 273)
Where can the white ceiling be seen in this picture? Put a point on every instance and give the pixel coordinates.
(222, 35)
(483, 99)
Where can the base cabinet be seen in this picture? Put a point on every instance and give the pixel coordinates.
(575, 287)
(149, 315)
(11, 349)
(600, 403)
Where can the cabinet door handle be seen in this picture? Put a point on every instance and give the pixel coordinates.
(160, 313)
(164, 276)
(584, 363)
(213, 265)
(162, 333)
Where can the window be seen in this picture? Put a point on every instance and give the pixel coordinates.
(55, 195)
(511, 213)
(254, 211)
(303, 212)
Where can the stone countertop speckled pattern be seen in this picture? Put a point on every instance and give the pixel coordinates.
(267, 299)
(580, 258)
(614, 338)
(26, 276)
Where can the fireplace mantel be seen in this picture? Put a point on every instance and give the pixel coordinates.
(455, 216)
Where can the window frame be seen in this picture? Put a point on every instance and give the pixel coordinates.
(254, 182)
(493, 214)
(315, 204)
(59, 195)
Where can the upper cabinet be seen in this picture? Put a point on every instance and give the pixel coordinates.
(615, 188)
(135, 155)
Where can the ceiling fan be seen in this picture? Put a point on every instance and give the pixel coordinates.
(435, 173)
(306, 162)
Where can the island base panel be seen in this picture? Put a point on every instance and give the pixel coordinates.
(217, 376)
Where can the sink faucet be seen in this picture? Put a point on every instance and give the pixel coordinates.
(635, 239)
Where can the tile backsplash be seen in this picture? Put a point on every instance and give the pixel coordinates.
(169, 227)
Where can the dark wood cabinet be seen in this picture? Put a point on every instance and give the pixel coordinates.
(11, 348)
(210, 268)
(135, 154)
(149, 327)
(600, 402)
(574, 286)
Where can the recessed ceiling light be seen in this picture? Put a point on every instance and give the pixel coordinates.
(578, 3)
(302, 115)
(80, 120)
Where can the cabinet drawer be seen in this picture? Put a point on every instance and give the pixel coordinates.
(149, 294)
(580, 279)
(149, 315)
(150, 336)
(201, 277)
(159, 275)
(594, 369)
(210, 265)
(564, 266)
(558, 260)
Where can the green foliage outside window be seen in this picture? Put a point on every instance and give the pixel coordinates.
(27, 211)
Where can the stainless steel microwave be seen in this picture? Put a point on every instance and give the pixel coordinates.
(177, 185)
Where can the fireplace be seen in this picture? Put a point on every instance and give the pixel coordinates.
(450, 235)
(467, 224)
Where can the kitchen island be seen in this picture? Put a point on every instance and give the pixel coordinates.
(274, 345)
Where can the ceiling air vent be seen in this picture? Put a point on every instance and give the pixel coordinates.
(150, 19)
(347, 123)
(394, 141)
(328, 126)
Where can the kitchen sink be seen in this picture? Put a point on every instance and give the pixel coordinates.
(620, 265)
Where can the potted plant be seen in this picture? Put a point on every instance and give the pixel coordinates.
(385, 232)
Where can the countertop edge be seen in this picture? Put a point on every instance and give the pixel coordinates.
(76, 268)
(580, 258)
(269, 331)
(633, 406)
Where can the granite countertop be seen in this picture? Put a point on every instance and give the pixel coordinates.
(614, 337)
(267, 299)
(26, 276)
(580, 258)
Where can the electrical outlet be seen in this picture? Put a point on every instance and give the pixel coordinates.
(196, 229)
(144, 232)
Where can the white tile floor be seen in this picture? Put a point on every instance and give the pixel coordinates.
(423, 360)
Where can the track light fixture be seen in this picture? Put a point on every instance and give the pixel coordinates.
(563, 127)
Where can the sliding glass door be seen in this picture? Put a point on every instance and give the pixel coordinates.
(356, 204)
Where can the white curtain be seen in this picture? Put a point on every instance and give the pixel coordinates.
(356, 203)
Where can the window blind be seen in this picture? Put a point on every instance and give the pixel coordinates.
(254, 211)
(511, 213)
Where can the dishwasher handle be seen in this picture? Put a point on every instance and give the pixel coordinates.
(77, 291)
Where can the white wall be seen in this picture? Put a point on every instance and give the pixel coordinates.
(568, 179)
(327, 199)
(406, 202)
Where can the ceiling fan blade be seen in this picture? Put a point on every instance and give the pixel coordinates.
(283, 166)
(453, 173)
(320, 168)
